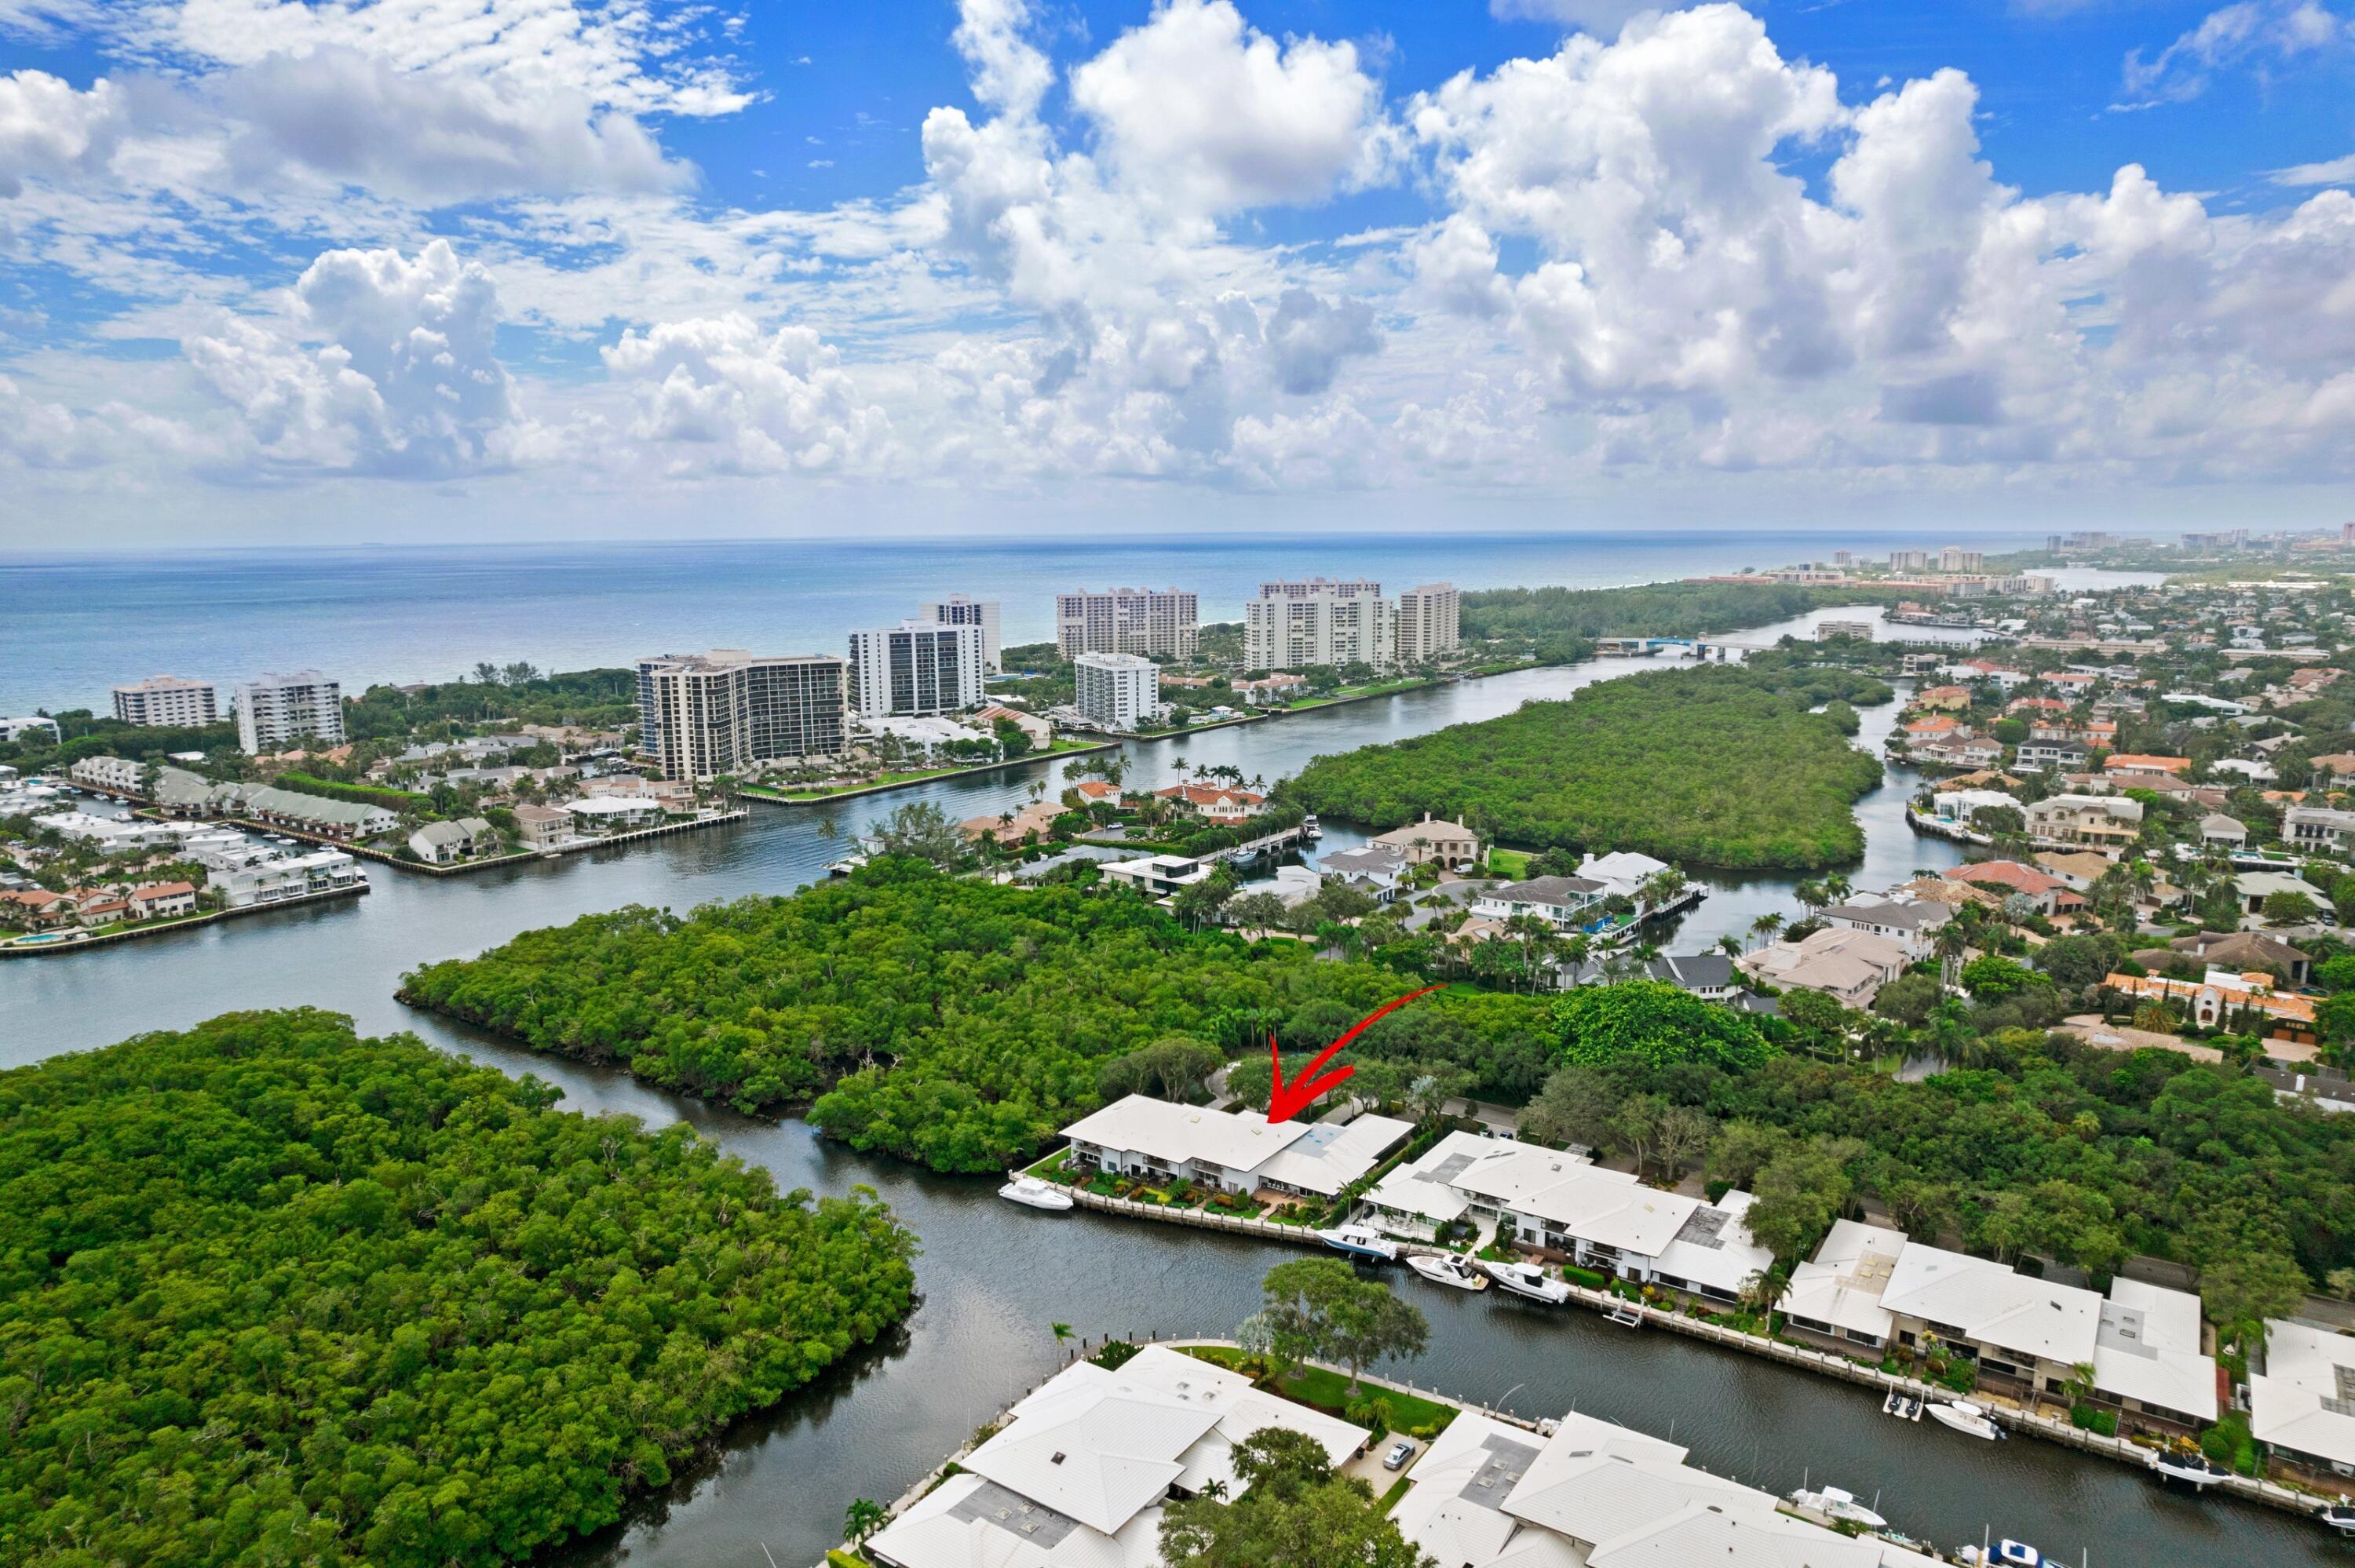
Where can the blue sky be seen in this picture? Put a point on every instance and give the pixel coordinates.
(487, 268)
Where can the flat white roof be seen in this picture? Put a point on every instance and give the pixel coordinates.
(1139, 1123)
(2305, 1399)
(1608, 1207)
(2147, 1350)
(1713, 1246)
(1424, 1188)
(1330, 1157)
(1994, 1304)
(1842, 1286)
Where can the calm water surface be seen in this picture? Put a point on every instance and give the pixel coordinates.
(994, 1277)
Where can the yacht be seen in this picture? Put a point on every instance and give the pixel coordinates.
(2187, 1465)
(1527, 1279)
(1360, 1241)
(1837, 1504)
(1447, 1269)
(2339, 1516)
(1309, 831)
(1965, 1418)
(1031, 1192)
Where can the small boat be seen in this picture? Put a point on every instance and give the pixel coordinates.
(1527, 1279)
(2187, 1464)
(2007, 1553)
(1447, 1269)
(1309, 830)
(1360, 1241)
(1834, 1503)
(1966, 1418)
(1902, 1405)
(2338, 1516)
(1031, 1192)
(1627, 1315)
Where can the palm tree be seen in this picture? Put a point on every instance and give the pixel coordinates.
(1729, 945)
(862, 1519)
(1765, 928)
(1948, 945)
(1062, 1332)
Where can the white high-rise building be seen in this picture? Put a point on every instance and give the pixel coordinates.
(915, 669)
(1954, 558)
(958, 610)
(276, 710)
(1149, 622)
(1430, 622)
(1116, 691)
(161, 701)
(1293, 625)
(726, 711)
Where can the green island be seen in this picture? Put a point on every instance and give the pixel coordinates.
(272, 1292)
(1558, 625)
(1719, 767)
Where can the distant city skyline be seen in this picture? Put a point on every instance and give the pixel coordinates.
(300, 274)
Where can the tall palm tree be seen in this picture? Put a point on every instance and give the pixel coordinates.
(1729, 945)
(1952, 938)
(862, 1519)
(1765, 928)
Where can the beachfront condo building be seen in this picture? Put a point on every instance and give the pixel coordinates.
(274, 711)
(1150, 622)
(1294, 625)
(958, 610)
(1430, 622)
(1116, 691)
(726, 711)
(161, 701)
(915, 670)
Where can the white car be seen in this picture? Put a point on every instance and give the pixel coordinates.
(1400, 1452)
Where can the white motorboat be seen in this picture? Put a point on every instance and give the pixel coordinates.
(1360, 1241)
(1834, 1503)
(1447, 1269)
(1309, 830)
(2005, 1554)
(1527, 1279)
(1031, 1192)
(2339, 1516)
(1966, 1418)
(2187, 1465)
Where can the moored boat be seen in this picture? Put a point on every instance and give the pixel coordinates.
(1447, 1269)
(2187, 1464)
(1309, 830)
(1834, 1503)
(1964, 1416)
(2005, 1553)
(1527, 1279)
(1903, 1405)
(1031, 1192)
(1360, 1241)
(2338, 1516)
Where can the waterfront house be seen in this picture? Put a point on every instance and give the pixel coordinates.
(2090, 821)
(448, 842)
(1564, 1206)
(1911, 923)
(2009, 878)
(38, 909)
(1962, 753)
(1709, 976)
(1956, 805)
(158, 899)
(1077, 1473)
(1565, 903)
(1845, 964)
(253, 874)
(316, 814)
(542, 827)
(1037, 817)
(2302, 1405)
(1212, 804)
(1098, 792)
(2129, 767)
(1943, 700)
(115, 775)
(2254, 887)
(2222, 999)
(2045, 755)
(1374, 870)
(2216, 828)
(1160, 876)
(1835, 1298)
(1235, 1151)
(1433, 841)
(603, 815)
(2318, 828)
(1622, 874)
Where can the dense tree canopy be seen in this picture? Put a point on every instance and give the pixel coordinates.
(938, 1017)
(1655, 1023)
(272, 1293)
(1717, 766)
(1561, 621)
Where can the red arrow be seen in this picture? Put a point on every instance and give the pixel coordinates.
(1285, 1101)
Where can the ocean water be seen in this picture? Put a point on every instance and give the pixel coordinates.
(71, 627)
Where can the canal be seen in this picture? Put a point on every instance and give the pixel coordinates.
(994, 1276)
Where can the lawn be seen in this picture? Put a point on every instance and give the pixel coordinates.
(1329, 1392)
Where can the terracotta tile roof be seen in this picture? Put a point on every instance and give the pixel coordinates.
(2009, 873)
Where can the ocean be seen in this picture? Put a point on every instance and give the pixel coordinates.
(71, 627)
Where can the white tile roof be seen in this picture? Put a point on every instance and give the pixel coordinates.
(1607, 1207)
(1328, 1159)
(1139, 1123)
(2148, 1349)
(1713, 1246)
(1995, 1304)
(1842, 1286)
(1422, 1188)
(2305, 1399)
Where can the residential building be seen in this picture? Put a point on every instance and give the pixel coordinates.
(1038, 731)
(1235, 1151)
(915, 670)
(2302, 1405)
(1624, 874)
(266, 803)
(29, 727)
(1561, 1206)
(37, 909)
(1709, 976)
(1845, 964)
(958, 610)
(1376, 869)
(1565, 903)
(2317, 828)
(1835, 1297)
(1912, 924)
(117, 774)
(1214, 803)
(1954, 558)
(2095, 822)
(1296, 624)
(1960, 752)
(2216, 828)
(1099, 792)
(1826, 631)
(2241, 951)
(2222, 999)
(728, 711)
(2045, 755)
(1274, 688)
(603, 815)
(1429, 623)
(161, 701)
(276, 710)
(1143, 621)
(2128, 767)
(1016, 825)
(1116, 691)
(1435, 842)
(1159, 876)
(1077, 1473)
(2010, 879)
(447, 843)
(1942, 699)
(542, 827)
(2254, 887)
(1909, 560)
(160, 899)
(254, 875)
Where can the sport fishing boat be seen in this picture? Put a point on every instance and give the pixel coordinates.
(1447, 1269)
(1033, 1193)
(2187, 1464)
(1834, 1503)
(1527, 1279)
(1966, 1418)
(1360, 1241)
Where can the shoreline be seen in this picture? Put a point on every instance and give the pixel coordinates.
(771, 797)
(553, 851)
(16, 947)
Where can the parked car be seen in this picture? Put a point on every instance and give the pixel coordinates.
(1400, 1452)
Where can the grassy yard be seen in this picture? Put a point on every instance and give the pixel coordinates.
(1507, 862)
(1329, 1392)
(1398, 1491)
